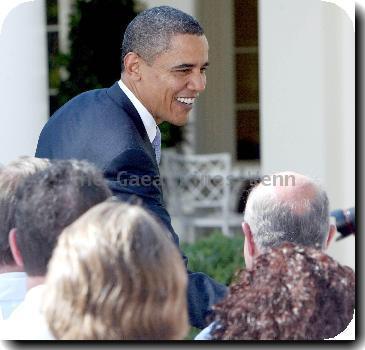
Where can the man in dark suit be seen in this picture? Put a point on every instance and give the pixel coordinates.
(164, 58)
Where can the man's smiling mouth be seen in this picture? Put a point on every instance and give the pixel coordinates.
(186, 100)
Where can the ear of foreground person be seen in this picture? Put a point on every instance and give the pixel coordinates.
(292, 292)
(12, 277)
(47, 201)
(115, 275)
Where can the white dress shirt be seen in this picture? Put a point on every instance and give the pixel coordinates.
(146, 117)
(27, 321)
(12, 292)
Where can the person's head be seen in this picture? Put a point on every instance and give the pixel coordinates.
(116, 275)
(292, 293)
(164, 58)
(11, 176)
(47, 202)
(286, 207)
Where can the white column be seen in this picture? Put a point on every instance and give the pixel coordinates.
(307, 98)
(339, 114)
(64, 12)
(23, 77)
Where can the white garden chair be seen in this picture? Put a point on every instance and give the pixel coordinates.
(197, 191)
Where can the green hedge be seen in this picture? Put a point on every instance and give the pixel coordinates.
(216, 255)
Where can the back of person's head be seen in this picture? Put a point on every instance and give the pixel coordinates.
(292, 293)
(149, 34)
(50, 200)
(116, 275)
(11, 176)
(288, 208)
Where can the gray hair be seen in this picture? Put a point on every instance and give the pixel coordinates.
(11, 176)
(273, 221)
(149, 34)
(50, 200)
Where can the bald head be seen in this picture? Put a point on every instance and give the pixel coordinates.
(290, 207)
(290, 187)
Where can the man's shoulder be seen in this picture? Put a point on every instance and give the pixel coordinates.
(86, 112)
(30, 305)
(85, 101)
(27, 321)
(12, 291)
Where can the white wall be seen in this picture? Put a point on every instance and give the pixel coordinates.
(215, 123)
(23, 79)
(307, 98)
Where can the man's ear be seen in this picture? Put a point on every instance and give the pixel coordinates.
(132, 65)
(331, 234)
(251, 248)
(14, 248)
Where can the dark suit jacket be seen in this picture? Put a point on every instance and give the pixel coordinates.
(103, 127)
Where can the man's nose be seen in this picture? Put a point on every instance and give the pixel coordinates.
(197, 82)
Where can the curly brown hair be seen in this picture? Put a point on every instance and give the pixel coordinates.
(292, 293)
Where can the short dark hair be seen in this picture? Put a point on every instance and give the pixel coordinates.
(11, 176)
(292, 293)
(149, 33)
(48, 202)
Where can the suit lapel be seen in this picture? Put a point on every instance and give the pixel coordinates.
(119, 97)
(116, 93)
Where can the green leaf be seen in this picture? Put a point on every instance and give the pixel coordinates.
(216, 255)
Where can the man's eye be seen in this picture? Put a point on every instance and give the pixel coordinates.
(183, 71)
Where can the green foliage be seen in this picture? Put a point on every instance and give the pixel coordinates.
(96, 33)
(193, 332)
(171, 135)
(216, 255)
(51, 11)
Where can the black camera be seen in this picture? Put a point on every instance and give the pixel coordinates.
(345, 221)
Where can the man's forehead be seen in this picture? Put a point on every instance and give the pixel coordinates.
(188, 43)
(187, 52)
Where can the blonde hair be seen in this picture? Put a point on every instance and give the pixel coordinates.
(115, 275)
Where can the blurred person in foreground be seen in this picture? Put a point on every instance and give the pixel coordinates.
(292, 292)
(284, 207)
(115, 275)
(47, 202)
(12, 276)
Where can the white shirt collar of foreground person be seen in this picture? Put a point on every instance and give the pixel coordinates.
(27, 322)
(147, 119)
(12, 292)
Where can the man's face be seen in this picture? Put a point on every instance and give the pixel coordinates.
(169, 87)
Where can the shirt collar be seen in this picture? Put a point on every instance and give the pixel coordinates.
(146, 117)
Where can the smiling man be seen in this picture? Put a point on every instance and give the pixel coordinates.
(164, 59)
